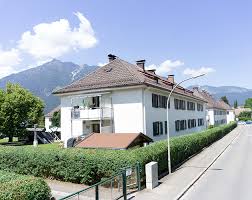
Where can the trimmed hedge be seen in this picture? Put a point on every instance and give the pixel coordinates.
(90, 166)
(20, 187)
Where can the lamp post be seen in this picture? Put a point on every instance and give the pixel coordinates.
(167, 116)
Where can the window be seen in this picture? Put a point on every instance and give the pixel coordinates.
(157, 128)
(201, 122)
(159, 101)
(95, 102)
(179, 104)
(199, 107)
(190, 105)
(180, 125)
(191, 123)
(176, 104)
(177, 125)
(155, 100)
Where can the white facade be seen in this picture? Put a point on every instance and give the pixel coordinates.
(230, 116)
(217, 117)
(124, 110)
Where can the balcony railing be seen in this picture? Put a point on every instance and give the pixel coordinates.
(92, 114)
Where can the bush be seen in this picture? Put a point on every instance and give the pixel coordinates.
(90, 166)
(245, 119)
(19, 187)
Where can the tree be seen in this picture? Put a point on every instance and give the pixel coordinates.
(248, 103)
(56, 119)
(235, 104)
(18, 109)
(225, 99)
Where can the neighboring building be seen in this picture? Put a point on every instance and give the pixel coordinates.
(114, 140)
(218, 112)
(124, 98)
(48, 118)
(229, 110)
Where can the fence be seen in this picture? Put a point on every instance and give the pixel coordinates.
(115, 187)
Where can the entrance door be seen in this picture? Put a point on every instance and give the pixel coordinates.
(96, 128)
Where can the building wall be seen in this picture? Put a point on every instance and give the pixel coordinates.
(215, 119)
(159, 114)
(133, 113)
(210, 116)
(128, 111)
(230, 116)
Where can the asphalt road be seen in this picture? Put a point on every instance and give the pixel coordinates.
(230, 177)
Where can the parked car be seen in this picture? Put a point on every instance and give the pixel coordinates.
(248, 122)
(241, 123)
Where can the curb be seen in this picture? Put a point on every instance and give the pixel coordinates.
(179, 196)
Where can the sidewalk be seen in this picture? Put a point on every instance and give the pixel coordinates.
(175, 185)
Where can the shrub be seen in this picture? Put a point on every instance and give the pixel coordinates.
(245, 119)
(90, 166)
(20, 187)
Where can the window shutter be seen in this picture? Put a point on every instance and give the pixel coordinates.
(161, 128)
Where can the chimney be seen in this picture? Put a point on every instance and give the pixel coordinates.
(140, 63)
(170, 78)
(111, 57)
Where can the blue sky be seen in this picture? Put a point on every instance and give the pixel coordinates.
(175, 37)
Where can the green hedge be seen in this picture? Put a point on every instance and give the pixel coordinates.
(245, 119)
(90, 166)
(20, 187)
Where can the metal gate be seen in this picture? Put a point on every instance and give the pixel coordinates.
(115, 187)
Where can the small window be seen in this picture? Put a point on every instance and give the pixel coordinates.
(154, 100)
(190, 105)
(157, 128)
(176, 104)
(201, 122)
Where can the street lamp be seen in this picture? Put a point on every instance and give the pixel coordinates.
(167, 115)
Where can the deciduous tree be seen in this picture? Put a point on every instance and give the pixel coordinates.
(18, 108)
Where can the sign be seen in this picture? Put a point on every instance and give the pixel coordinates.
(128, 172)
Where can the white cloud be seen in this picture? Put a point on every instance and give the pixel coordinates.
(100, 64)
(5, 71)
(9, 58)
(166, 66)
(51, 40)
(196, 72)
(8, 61)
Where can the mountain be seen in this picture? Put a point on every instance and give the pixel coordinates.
(42, 80)
(232, 92)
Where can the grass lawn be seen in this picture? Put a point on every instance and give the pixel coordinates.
(4, 140)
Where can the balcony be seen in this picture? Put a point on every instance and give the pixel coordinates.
(92, 114)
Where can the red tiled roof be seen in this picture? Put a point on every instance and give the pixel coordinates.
(119, 73)
(211, 101)
(113, 140)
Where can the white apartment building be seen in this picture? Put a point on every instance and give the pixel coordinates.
(124, 98)
(218, 112)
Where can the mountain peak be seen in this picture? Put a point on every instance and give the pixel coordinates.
(42, 80)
